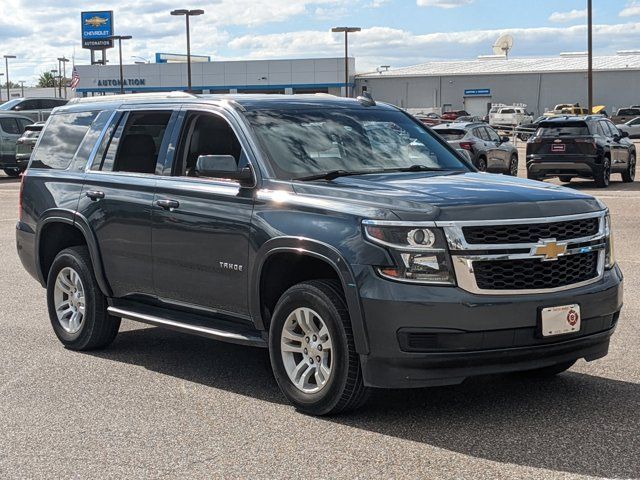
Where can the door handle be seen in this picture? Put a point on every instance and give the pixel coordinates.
(94, 194)
(168, 204)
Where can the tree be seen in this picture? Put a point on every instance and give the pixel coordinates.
(46, 80)
(11, 85)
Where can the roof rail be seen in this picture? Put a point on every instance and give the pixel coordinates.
(133, 96)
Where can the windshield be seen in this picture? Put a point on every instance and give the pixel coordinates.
(305, 142)
(10, 104)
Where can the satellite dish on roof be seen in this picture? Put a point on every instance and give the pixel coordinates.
(503, 45)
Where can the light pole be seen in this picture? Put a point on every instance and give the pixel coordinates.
(119, 38)
(347, 31)
(53, 73)
(1, 75)
(21, 82)
(64, 61)
(6, 69)
(187, 14)
(590, 54)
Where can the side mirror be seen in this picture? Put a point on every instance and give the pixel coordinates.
(223, 166)
(624, 134)
(504, 139)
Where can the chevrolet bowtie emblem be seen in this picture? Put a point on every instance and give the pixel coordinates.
(549, 249)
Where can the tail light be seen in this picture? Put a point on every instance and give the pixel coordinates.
(467, 145)
(587, 141)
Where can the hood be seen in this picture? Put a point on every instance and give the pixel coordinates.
(468, 196)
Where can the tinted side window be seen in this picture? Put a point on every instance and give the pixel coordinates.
(61, 139)
(612, 128)
(28, 105)
(492, 134)
(10, 126)
(482, 133)
(50, 103)
(22, 122)
(136, 144)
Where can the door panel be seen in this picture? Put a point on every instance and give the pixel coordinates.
(201, 240)
(200, 248)
(118, 193)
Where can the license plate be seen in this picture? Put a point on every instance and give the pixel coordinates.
(558, 147)
(560, 320)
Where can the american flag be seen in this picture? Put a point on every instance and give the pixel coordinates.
(75, 78)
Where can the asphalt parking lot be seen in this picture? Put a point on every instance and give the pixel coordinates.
(160, 404)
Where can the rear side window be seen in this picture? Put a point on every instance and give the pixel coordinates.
(10, 126)
(450, 134)
(569, 129)
(136, 143)
(61, 139)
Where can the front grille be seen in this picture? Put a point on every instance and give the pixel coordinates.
(531, 233)
(533, 273)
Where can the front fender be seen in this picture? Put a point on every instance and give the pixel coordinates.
(321, 251)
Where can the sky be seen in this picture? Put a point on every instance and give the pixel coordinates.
(394, 32)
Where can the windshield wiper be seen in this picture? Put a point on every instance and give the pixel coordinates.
(416, 168)
(333, 174)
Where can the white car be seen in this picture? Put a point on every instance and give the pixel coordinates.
(509, 116)
(632, 127)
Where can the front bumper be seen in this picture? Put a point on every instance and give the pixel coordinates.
(424, 336)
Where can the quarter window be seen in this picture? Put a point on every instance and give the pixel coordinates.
(60, 140)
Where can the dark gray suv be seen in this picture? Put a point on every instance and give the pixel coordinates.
(342, 235)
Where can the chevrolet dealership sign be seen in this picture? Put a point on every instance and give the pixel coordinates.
(97, 28)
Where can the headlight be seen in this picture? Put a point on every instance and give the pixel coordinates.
(420, 253)
(610, 257)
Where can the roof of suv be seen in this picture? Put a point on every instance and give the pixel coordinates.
(573, 118)
(458, 125)
(242, 101)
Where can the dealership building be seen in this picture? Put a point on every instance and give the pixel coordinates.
(311, 75)
(540, 83)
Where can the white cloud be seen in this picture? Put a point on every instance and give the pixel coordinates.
(631, 10)
(562, 17)
(443, 3)
(382, 45)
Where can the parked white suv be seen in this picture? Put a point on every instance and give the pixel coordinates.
(509, 116)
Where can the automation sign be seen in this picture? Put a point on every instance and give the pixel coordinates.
(97, 27)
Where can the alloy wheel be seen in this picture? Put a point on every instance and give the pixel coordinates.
(69, 300)
(306, 348)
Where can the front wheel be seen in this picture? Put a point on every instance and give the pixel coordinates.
(513, 165)
(603, 177)
(312, 350)
(13, 172)
(629, 174)
(77, 307)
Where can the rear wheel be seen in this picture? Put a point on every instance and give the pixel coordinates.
(482, 164)
(603, 177)
(77, 307)
(513, 165)
(13, 172)
(629, 174)
(550, 371)
(312, 350)
(565, 179)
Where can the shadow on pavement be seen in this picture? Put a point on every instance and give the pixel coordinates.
(614, 186)
(573, 423)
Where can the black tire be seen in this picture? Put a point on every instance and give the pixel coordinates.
(513, 165)
(98, 329)
(524, 136)
(13, 172)
(629, 175)
(603, 177)
(565, 179)
(482, 164)
(345, 388)
(550, 371)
